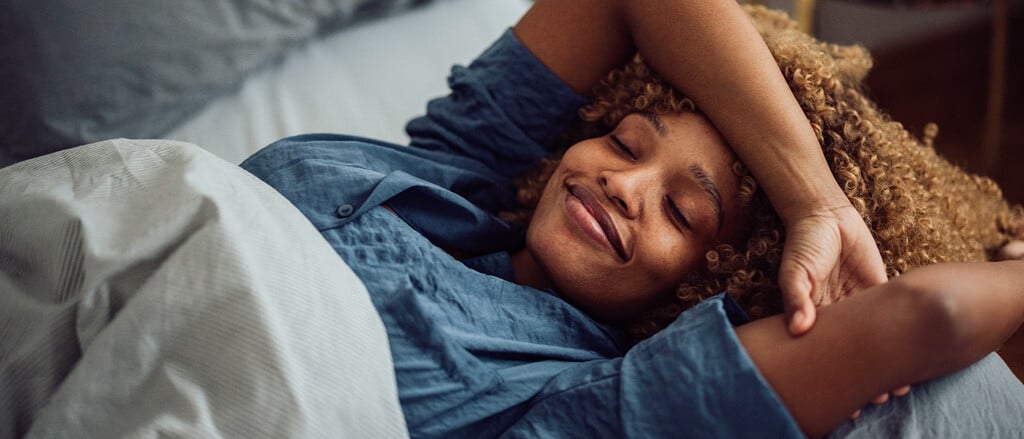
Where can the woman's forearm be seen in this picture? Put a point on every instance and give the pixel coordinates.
(922, 325)
(711, 52)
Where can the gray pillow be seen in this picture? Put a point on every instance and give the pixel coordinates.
(75, 72)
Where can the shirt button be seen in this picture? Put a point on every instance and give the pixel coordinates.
(345, 210)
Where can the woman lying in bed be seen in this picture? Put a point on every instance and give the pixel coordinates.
(496, 330)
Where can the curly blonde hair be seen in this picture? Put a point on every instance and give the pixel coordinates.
(920, 208)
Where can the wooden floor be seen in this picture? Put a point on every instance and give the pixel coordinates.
(945, 79)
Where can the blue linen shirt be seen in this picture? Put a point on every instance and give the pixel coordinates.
(475, 354)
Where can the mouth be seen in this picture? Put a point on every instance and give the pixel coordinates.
(607, 232)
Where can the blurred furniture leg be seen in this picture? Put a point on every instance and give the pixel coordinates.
(991, 140)
(804, 11)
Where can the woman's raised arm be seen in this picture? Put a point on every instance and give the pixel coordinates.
(710, 51)
(927, 323)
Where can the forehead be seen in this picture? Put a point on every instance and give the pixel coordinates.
(686, 137)
(685, 123)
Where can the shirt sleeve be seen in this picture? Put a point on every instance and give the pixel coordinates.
(692, 379)
(505, 110)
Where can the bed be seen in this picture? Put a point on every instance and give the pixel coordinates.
(141, 290)
(230, 352)
(232, 77)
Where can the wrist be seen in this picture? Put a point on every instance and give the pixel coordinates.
(792, 170)
(816, 206)
(802, 198)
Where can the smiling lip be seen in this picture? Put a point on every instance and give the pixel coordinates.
(594, 208)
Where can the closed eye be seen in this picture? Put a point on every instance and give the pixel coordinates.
(622, 147)
(676, 214)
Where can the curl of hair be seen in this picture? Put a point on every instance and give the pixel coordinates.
(920, 208)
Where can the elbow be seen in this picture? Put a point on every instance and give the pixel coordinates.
(943, 329)
(955, 314)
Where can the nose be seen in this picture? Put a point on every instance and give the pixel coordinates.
(626, 189)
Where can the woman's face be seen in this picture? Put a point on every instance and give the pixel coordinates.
(626, 216)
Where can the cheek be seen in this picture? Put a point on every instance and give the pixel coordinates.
(558, 253)
(569, 264)
(583, 157)
(667, 261)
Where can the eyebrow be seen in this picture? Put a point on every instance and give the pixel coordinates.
(655, 121)
(711, 190)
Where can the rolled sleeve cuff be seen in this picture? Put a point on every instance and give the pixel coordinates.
(530, 94)
(506, 109)
(716, 389)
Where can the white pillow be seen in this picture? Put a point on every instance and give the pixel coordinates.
(367, 80)
(76, 72)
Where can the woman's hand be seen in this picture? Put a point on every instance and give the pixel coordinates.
(829, 253)
(1011, 250)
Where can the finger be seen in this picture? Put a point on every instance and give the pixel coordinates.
(855, 415)
(901, 391)
(1012, 250)
(880, 399)
(796, 286)
(802, 319)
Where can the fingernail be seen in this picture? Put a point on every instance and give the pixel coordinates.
(799, 317)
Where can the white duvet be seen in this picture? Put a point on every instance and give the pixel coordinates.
(150, 289)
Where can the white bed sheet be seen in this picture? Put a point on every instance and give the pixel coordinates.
(150, 289)
(367, 80)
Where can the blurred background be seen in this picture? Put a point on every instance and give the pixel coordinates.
(958, 63)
